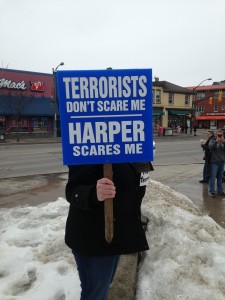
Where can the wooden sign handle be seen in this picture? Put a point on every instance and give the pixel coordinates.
(108, 206)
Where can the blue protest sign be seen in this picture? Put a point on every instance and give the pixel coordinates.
(106, 116)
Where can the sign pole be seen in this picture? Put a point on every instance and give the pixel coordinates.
(108, 206)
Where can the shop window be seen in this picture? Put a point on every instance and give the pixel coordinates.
(158, 96)
(39, 124)
(2, 121)
(20, 124)
(170, 98)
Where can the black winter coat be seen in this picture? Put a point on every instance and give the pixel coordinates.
(85, 222)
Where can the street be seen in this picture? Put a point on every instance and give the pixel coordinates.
(30, 159)
(178, 164)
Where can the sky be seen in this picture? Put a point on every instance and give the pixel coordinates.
(181, 41)
(186, 260)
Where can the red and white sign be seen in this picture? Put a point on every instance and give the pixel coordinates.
(37, 86)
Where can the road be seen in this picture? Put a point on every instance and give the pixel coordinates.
(178, 164)
(30, 159)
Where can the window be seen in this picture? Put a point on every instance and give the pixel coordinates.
(158, 97)
(200, 108)
(153, 96)
(187, 100)
(200, 95)
(222, 107)
(170, 98)
(215, 108)
(40, 124)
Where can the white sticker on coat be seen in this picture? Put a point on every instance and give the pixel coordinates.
(144, 178)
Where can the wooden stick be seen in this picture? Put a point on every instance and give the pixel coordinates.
(108, 206)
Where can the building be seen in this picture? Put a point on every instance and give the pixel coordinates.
(172, 105)
(209, 105)
(26, 102)
(27, 106)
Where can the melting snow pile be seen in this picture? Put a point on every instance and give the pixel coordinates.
(186, 259)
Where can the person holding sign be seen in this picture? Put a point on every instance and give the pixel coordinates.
(86, 191)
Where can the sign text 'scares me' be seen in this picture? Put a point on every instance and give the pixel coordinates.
(106, 116)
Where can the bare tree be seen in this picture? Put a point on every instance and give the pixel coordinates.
(16, 105)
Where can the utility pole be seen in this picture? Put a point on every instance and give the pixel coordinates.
(55, 97)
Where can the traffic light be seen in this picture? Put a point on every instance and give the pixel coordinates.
(220, 96)
(210, 100)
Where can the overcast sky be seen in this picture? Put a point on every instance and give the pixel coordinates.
(183, 41)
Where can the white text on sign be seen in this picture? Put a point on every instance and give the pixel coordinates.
(105, 87)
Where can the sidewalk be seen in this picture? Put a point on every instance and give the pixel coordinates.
(200, 132)
(52, 139)
(31, 140)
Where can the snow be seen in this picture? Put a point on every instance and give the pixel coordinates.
(186, 259)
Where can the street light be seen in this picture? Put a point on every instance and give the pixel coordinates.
(194, 89)
(61, 64)
(55, 97)
(194, 100)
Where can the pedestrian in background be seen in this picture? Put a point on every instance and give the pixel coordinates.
(217, 160)
(195, 130)
(206, 157)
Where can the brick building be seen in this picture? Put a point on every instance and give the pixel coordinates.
(26, 102)
(209, 105)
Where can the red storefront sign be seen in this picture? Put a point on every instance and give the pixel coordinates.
(37, 86)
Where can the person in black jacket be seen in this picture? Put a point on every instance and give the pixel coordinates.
(206, 157)
(217, 161)
(86, 191)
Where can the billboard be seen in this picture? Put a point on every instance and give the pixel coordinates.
(106, 116)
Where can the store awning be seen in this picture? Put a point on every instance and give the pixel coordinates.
(210, 118)
(157, 112)
(26, 106)
(179, 112)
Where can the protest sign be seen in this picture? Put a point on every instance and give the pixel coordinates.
(106, 116)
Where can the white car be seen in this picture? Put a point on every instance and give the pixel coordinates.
(153, 149)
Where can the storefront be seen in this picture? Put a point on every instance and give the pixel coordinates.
(157, 118)
(179, 118)
(211, 121)
(26, 102)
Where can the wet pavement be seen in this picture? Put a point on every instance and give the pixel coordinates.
(32, 190)
(197, 192)
(184, 178)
